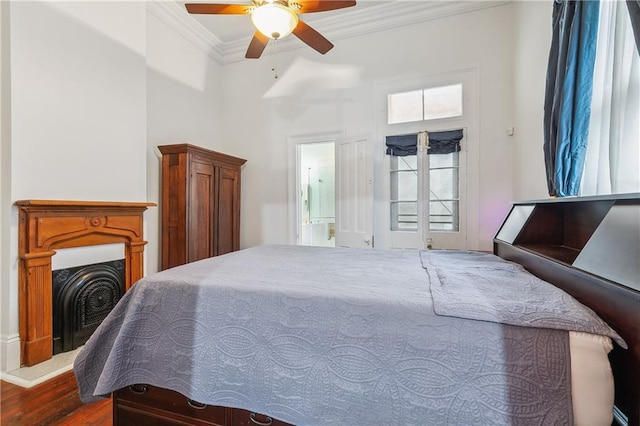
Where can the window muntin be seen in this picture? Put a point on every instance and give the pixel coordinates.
(426, 104)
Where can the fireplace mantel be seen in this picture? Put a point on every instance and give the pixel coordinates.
(46, 225)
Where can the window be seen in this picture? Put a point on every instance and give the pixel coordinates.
(427, 128)
(442, 168)
(426, 104)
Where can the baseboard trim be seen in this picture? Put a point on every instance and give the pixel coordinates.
(9, 352)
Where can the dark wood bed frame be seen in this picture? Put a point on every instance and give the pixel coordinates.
(590, 248)
(556, 240)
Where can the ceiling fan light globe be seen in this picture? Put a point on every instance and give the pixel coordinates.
(274, 20)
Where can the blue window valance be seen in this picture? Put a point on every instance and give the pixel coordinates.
(402, 145)
(444, 142)
(439, 143)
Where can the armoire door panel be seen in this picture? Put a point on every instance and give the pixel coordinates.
(228, 211)
(201, 218)
(174, 180)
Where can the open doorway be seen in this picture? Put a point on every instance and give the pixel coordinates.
(316, 197)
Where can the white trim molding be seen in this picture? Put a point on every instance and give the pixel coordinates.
(176, 18)
(9, 352)
(348, 23)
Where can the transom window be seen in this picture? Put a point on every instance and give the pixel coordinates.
(425, 104)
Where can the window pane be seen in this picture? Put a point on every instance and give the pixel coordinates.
(409, 162)
(443, 102)
(443, 160)
(404, 178)
(443, 216)
(443, 184)
(404, 107)
(405, 186)
(404, 216)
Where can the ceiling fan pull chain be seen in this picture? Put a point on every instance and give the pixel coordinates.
(275, 60)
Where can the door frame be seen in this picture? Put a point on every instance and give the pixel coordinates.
(293, 176)
(470, 77)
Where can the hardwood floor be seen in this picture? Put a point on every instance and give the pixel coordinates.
(54, 402)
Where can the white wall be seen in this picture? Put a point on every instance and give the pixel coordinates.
(8, 335)
(78, 100)
(183, 102)
(532, 39)
(257, 128)
(95, 87)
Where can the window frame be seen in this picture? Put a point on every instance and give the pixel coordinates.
(467, 236)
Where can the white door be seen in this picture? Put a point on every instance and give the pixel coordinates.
(444, 199)
(428, 199)
(354, 193)
(427, 196)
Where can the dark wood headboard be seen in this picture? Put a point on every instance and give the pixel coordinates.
(590, 248)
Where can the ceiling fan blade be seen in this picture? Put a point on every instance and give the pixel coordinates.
(309, 6)
(313, 38)
(257, 45)
(219, 9)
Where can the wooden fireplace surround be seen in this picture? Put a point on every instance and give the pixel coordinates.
(46, 225)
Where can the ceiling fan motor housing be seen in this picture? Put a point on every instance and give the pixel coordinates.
(275, 20)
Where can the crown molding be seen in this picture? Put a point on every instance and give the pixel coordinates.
(349, 23)
(170, 12)
(398, 14)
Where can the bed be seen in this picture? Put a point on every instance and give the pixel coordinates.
(277, 335)
(309, 335)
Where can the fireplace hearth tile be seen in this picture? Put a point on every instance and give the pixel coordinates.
(27, 377)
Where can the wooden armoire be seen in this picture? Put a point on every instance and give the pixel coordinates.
(200, 203)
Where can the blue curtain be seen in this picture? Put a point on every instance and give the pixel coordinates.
(568, 93)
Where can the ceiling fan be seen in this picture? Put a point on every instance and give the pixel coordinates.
(275, 19)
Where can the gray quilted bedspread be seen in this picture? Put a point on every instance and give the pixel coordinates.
(329, 336)
(485, 287)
